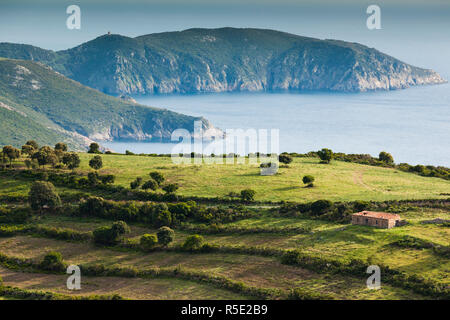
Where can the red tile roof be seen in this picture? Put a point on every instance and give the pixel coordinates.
(379, 215)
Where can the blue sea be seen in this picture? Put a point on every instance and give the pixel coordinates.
(412, 124)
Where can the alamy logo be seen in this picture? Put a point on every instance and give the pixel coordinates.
(374, 281)
(74, 281)
(374, 20)
(74, 20)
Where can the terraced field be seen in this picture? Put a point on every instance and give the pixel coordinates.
(244, 256)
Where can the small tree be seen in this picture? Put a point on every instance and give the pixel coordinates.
(43, 195)
(285, 158)
(94, 148)
(325, 155)
(193, 242)
(165, 235)
(150, 184)
(11, 153)
(61, 146)
(308, 180)
(157, 176)
(248, 195)
(53, 261)
(148, 241)
(33, 144)
(44, 156)
(28, 150)
(96, 163)
(136, 183)
(170, 188)
(111, 235)
(386, 157)
(71, 160)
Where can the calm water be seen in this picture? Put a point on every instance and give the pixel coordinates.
(412, 124)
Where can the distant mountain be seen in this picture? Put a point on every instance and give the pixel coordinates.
(39, 103)
(226, 59)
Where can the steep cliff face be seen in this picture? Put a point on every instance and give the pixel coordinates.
(229, 59)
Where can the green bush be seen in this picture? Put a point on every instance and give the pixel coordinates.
(148, 241)
(157, 176)
(96, 163)
(150, 184)
(308, 180)
(53, 262)
(111, 235)
(248, 195)
(193, 242)
(306, 294)
(165, 235)
(42, 196)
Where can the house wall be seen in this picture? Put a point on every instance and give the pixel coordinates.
(373, 222)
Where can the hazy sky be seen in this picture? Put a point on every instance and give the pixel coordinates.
(417, 32)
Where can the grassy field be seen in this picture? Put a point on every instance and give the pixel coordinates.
(337, 181)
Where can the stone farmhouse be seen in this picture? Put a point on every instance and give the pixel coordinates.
(376, 219)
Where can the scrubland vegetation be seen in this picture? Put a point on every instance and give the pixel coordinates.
(141, 227)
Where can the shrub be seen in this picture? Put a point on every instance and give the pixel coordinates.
(170, 188)
(71, 160)
(136, 183)
(165, 235)
(148, 241)
(43, 195)
(248, 195)
(44, 156)
(94, 148)
(325, 155)
(61, 146)
(110, 235)
(320, 207)
(150, 184)
(193, 242)
(96, 163)
(285, 158)
(308, 180)
(386, 157)
(53, 262)
(306, 294)
(157, 176)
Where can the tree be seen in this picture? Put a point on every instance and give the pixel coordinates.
(157, 176)
(193, 242)
(71, 160)
(285, 158)
(43, 195)
(120, 227)
(165, 235)
(308, 180)
(94, 148)
(61, 146)
(53, 261)
(33, 144)
(320, 207)
(325, 155)
(136, 183)
(11, 153)
(248, 194)
(96, 163)
(44, 156)
(148, 241)
(111, 235)
(28, 150)
(386, 157)
(150, 184)
(170, 188)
